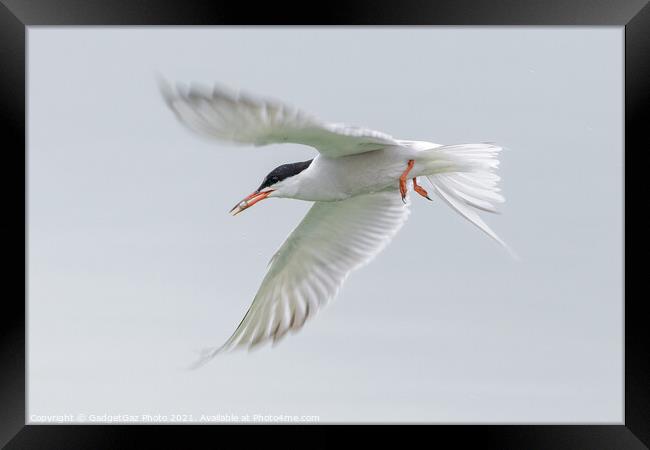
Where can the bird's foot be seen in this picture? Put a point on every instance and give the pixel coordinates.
(420, 190)
(403, 178)
(402, 190)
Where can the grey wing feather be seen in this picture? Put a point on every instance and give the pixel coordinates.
(244, 119)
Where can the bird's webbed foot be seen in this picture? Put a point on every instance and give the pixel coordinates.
(420, 190)
(416, 187)
(403, 178)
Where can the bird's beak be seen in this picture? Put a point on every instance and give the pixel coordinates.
(249, 201)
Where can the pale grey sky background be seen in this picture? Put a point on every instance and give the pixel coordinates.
(134, 263)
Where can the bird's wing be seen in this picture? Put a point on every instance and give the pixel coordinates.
(243, 119)
(333, 239)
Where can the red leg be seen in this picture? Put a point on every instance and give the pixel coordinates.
(403, 177)
(420, 190)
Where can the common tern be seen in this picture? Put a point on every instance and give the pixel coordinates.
(359, 185)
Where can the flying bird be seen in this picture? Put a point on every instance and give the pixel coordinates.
(359, 185)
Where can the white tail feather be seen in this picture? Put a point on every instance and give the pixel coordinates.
(469, 182)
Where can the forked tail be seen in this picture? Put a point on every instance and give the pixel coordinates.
(464, 178)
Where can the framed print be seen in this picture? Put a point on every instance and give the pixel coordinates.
(134, 127)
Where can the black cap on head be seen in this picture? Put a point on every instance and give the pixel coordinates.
(282, 172)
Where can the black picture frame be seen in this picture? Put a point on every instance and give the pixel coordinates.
(16, 15)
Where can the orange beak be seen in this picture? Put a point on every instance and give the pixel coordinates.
(249, 201)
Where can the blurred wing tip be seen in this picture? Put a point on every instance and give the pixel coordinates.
(165, 88)
(205, 356)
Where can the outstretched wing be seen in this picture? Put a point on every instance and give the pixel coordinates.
(243, 119)
(333, 239)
